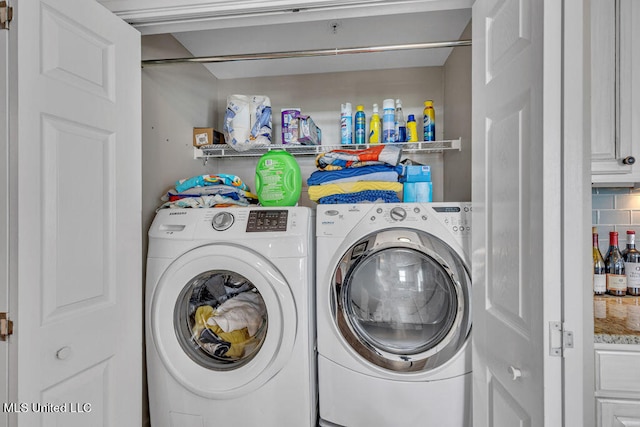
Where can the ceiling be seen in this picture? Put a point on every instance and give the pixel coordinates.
(420, 27)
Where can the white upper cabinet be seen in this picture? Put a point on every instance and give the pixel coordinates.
(615, 93)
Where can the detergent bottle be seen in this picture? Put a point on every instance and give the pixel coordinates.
(412, 129)
(388, 121)
(429, 122)
(278, 179)
(374, 126)
(360, 131)
(346, 124)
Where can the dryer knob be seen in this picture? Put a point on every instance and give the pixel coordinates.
(221, 221)
(398, 214)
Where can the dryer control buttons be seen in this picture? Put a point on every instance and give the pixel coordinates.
(398, 214)
(222, 220)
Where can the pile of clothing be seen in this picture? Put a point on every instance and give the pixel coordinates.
(206, 191)
(227, 316)
(357, 176)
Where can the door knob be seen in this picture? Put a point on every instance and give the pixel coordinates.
(63, 353)
(629, 160)
(515, 372)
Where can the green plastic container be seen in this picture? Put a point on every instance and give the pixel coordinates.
(278, 179)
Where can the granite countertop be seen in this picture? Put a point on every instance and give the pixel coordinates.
(616, 319)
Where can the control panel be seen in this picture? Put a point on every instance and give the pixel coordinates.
(267, 220)
(454, 216)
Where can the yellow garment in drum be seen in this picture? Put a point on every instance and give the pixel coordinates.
(318, 191)
(238, 338)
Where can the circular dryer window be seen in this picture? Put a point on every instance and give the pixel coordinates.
(401, 300)
(220, 320)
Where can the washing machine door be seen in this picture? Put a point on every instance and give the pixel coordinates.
(401, 300)
(223, 320)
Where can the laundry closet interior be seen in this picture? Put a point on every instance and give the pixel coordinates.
(180, 96)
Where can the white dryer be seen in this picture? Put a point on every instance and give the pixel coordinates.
(393, 314)
(229, 318)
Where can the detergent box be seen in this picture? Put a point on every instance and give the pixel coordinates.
(417, 192)
(416, 173)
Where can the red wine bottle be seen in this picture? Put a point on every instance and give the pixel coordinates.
(614, 267)
(632, 264)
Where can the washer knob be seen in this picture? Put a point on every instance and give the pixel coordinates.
(221, 221)
(398, 214)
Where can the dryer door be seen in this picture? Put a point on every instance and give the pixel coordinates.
(401, 300)
(223, 320)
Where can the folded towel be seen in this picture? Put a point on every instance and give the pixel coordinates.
(367, 196)
(318, 191)
(205, 202)
(223, 190)
(204, 180)
(376, 155)
(365, 173)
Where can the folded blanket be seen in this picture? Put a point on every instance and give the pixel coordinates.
(367, 196)
(318, 191)
(223, 190)
(377, 155)
(204, 202)
(203, 180)
(365, 173)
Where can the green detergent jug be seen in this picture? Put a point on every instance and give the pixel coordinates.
(278, 179)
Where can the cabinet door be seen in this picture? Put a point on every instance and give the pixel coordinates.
(618, 413)
(77, 289)
(615, 93)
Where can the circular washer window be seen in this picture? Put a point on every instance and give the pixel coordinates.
(220, 320)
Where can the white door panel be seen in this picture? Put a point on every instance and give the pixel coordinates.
(79, 300)
(508, 214)
(530, 197)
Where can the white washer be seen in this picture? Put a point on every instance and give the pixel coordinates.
(249, 359)
(393, 314)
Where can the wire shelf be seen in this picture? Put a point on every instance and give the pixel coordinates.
(226, 151)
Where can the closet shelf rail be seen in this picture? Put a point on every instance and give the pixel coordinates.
(224, 150)
(307, 53)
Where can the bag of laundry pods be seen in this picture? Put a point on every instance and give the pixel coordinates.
(247, 122)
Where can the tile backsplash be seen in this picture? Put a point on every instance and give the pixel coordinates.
(615, 209)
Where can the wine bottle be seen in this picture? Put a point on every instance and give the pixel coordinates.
(614, 267)
(632, 264)
(599, 274)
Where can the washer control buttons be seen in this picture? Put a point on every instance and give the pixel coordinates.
(222, 220)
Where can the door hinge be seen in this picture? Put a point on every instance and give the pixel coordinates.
(559, 339)
(6, 15)
(6, 326)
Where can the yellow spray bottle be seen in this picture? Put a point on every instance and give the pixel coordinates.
(374, 126)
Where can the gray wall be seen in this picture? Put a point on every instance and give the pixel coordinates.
(177, 98)
(320, 96)
(457, 122)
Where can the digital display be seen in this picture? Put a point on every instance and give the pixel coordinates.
(446, 209)
(267, 220)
